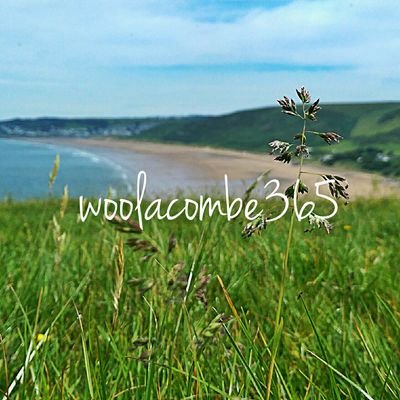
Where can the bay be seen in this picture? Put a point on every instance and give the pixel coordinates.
(25, 168)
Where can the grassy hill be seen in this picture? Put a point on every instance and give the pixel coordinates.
(138, 337)
(360, 124)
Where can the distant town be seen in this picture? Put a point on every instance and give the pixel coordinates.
(85, 127)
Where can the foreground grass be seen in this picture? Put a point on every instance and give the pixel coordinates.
(122, 325)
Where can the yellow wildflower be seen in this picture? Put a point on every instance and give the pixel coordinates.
(40, 337)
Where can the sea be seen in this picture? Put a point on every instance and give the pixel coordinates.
(90, 171)
(25, 167)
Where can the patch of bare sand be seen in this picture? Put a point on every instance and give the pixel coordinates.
(210, 163)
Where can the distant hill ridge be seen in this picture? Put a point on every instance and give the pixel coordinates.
(362, 125)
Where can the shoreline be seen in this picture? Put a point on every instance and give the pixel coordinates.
(208, 164)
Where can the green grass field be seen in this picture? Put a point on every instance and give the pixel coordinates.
(140, 336)
(375, 124)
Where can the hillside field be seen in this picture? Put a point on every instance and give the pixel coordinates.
(360, 124)
(115, 322)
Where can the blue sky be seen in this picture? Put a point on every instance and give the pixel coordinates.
(176, 57)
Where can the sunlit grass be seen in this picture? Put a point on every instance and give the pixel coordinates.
(138, 326)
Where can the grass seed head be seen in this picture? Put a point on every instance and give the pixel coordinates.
(303, 94)
(254, 227)
(331, 137)
(288, 106)
(311, 112)
(278, 146)
(318, 222)
(338, 188)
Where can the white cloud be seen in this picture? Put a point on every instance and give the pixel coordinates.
(92, 44)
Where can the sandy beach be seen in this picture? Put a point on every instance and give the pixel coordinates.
(209, 164)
